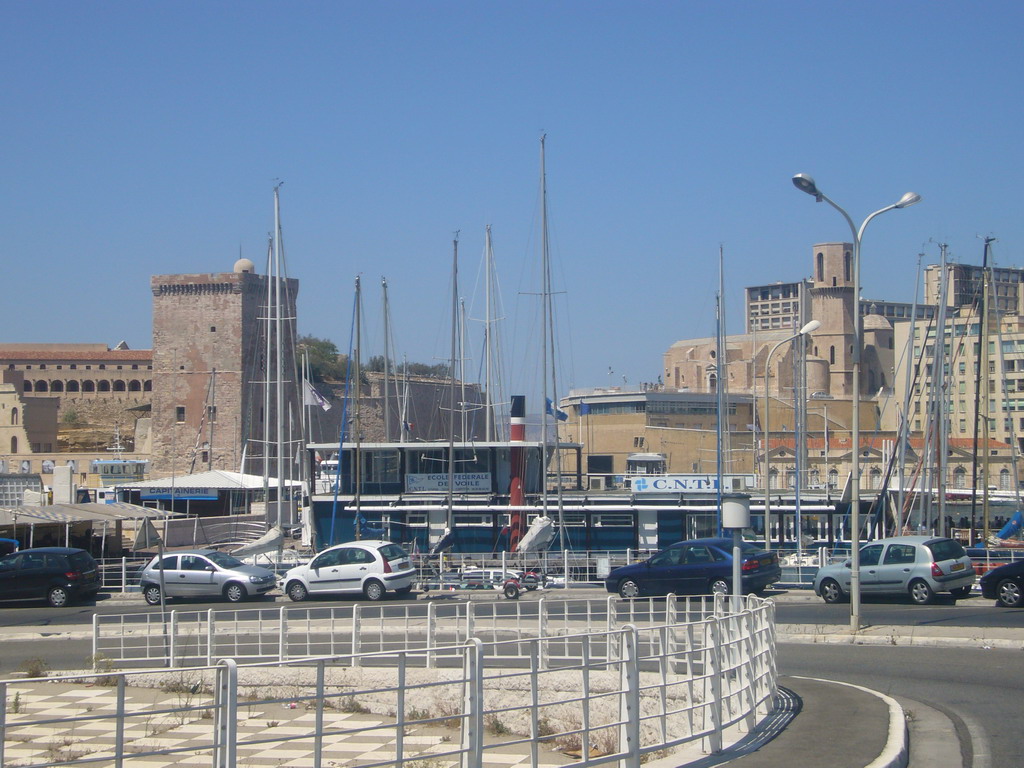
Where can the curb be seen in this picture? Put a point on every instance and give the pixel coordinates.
(896, 753)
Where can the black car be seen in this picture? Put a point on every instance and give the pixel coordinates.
(697, 567)
(1003, 584)
(58, 575)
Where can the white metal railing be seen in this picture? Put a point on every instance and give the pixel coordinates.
(625, 692)
(182, 638)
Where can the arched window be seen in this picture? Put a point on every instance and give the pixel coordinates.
(790, 479)
(27, 386)
(134, 385)
(103, 386)
(712, 383)
(14, 415)
(147, 386)
(40, 386)
(14, 445)
(959, 477)
(846, 266)
(1004, 479)
(88, 386)
(821, 268)
(73, 386)
(57, 386)
(876, 477)
(773, 478)
(119, 386)
(815, 478)
(833, 478)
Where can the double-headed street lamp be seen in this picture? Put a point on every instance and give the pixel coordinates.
(810, 327)
(805, 183)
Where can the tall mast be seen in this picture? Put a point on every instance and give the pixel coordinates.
(548, 333)
(451, 389)
(488, 401)
(278, 357)
(978, 378)
(387, 362)
(719, 389)
(357, 469)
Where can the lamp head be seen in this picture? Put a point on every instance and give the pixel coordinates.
(908, 200)
(805, 183)
(811, 327)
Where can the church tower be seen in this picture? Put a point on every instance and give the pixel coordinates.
(833, 303)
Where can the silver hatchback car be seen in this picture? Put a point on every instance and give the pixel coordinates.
(918, 566)
(204, 573)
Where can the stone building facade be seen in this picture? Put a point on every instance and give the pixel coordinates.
(211, 366)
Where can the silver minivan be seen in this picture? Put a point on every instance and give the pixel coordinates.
(917, 566)
(204, 573)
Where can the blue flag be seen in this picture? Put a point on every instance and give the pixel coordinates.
(558, 414)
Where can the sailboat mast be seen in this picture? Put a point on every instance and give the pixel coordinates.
(357, 469)
(265, 372)
(978, 378)
(720, 389)
(278, 357)
(451, 389)
(387, 362)
(488, 402)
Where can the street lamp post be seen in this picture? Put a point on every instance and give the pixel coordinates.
(805, 183)
(810, 327)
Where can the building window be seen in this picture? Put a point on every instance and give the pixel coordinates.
(821, 268)
(179, 414)
(14, 445)
(638, 442)
(14, 416)
(211, 414)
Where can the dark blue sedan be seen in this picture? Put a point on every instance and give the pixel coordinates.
(697, 567)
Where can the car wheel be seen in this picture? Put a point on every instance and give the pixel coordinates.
(152, 594)
(297, 592)
(921, 593)
(511, 591)
(57, 597)
(373, 590)
(960, 592)
(629, 589)
(831, 592)
(1008, 594)
(234, 592)
(719, 587)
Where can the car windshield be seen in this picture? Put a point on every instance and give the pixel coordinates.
(393, 552)
(946, 549)
(224, 561)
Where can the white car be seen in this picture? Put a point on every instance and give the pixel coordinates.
(371, 567)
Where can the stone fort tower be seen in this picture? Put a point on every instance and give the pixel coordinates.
(210, 369)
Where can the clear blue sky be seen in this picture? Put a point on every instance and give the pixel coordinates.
(144, 138)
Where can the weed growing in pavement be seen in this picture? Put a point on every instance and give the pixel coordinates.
(495, 726)
(16, 703)
(352, 707)
(35, 667)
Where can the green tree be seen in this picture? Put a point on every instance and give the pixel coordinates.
(325, 362)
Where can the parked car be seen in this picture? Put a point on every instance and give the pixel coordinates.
(58, 575)
(370, 567)
(918, 566)
(204, 573)
(1004, 584)
(697, 567)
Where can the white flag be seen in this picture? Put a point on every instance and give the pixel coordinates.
(312, 397)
